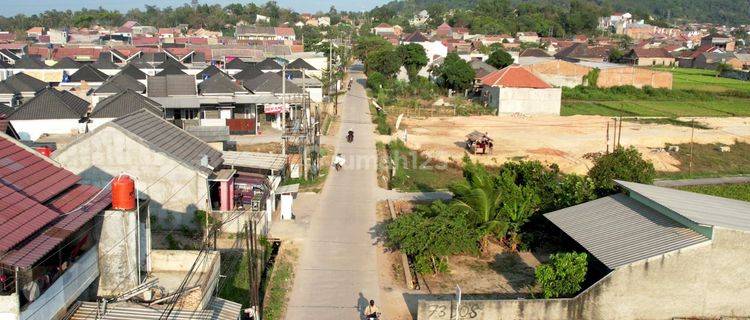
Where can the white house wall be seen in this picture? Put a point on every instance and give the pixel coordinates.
(525, 100)
(32, 129)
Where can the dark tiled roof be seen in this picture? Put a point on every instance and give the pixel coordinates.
(582, 51)
(271, 82)
(208, 72)
(268, 64)
(141, 63)
(210, 133)
(416, 36)
(171, 85)
(121, 82)
(236, 63)
(21, 82)
(66, 63)
(124, 103)
(104, 62)
(5, 110)
(248, 73)
(163, 136)
(481, 68)
(9, 54)
(300, 64)
(171, 62)
(170, 70)
(88, 73)
(52, 104)
(219, 83)
(534, 52)
(133, 71)
(5, 65)
(27, 62)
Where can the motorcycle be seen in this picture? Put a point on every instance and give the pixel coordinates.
(350, 136)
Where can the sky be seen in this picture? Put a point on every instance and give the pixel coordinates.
(10, 8)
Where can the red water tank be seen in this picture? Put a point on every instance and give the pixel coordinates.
(123, 193)
(46, 151)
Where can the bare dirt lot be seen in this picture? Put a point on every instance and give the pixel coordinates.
(563, 140)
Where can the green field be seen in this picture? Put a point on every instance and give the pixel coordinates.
(732, 191)
(415, 172)
(696, 93)
(704, 80)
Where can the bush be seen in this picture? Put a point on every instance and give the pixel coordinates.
(380, 120)
(375, 81)
(621, 164)
(562, 275)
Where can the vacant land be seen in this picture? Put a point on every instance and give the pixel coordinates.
(416, 172)
(567, 140)
(704, 80)
(696, 93)
(708, 161)
(732, 191)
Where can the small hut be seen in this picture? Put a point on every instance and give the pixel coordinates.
(478, 143)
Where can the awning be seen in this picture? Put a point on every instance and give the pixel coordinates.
(291, 188)
(195, 102)
(255, 160)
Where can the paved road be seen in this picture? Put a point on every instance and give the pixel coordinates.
(337, 273)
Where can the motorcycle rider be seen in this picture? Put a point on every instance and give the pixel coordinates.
(338, 161)
(350, 135)
(372, 312)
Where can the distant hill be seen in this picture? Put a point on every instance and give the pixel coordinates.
(731, 12)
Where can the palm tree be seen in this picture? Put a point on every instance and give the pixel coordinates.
(519, 204)
(479, 197)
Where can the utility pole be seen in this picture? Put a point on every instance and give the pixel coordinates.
(306, 115)
(607, 139)
(692, 134)
(251, 296)
(283, 109)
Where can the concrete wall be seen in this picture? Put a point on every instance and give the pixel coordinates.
(175, 190)
(655, 61)
(559, 73)
(118, 253)
(525, 100)
(631, 76)
(707, 280)
(9, 307)
(33, 129)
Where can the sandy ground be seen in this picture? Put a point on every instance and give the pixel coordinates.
(562, 140)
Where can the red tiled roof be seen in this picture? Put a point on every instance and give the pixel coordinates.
(140, 41)
(7, 37)
(13, 46)
(383, 25)
(30, 174)
(60, 53)
(191, 40)
(285, 32)
(20, 217)
(651, 53)
(37, 247)
(514, 77)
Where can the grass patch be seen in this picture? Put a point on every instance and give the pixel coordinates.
(704, 80)
(280, 283)
(380, 119)
(327, 123)
(237, 286)
(732, 191)
(316, 183)
(415, 172)
(708, 161)
(669, 121)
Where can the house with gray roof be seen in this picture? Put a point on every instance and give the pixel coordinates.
(51, 111)
(132, 70)
(171, 85)
(87, 73)
(236, 64)
(183, 173)
(67, 63)
(30, 62)
(208, 72)
(19, 87)
(118, 83)
(170, 69)
(268, 65)
(119, 105)
(248, 73)
(300, 63)
(661, 253)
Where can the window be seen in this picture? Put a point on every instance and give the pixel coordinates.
(211, 114)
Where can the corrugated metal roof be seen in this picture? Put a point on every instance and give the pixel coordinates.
(225, 309)
(163, 136)
(130, 311)
(619, 230)
(699, 208)
(257, 160)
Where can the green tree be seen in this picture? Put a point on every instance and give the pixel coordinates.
(432, 233)
(413, 58)
(519, 203)
(622, 164)
(375, 80)
(722, 67)
(455, 73)
(616, 55)
(500, 59)
(386, 61)
(366, 45)
(562, 275)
